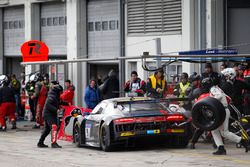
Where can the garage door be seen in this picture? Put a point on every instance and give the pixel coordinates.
(53, 27)
(13, 30)
(103, 28)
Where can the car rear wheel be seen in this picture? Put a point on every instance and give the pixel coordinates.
(105, 140)
(208, 114)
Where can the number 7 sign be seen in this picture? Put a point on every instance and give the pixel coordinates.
(34, 51)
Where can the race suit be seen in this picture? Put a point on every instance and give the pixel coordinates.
(42, 95)
(138, 86)
(217, 93)
(7, 105)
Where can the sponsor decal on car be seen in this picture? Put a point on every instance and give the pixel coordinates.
(156, 131)
(175, 130)
(127, 134)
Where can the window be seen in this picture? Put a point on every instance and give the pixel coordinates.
(16, 24)
(49, 21)
(154, 16)
(91, 26)
(55, 21)
(21, 23)
(105, 25)
(11, 25)
(98, 26)
(112, 25)
(61, 20)
(43, 22)
(6, 25)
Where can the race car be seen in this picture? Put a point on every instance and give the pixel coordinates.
(115, 121)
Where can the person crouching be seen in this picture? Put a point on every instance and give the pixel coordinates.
(50, 117)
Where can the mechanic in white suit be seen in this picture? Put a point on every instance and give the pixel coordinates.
(218, 93)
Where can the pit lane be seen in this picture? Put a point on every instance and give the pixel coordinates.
(18, 148)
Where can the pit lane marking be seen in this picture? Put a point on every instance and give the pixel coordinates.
(214, 157)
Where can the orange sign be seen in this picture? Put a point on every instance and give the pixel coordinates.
(34, 51)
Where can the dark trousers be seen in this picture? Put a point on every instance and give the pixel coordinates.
(197, 134)
(32, 108)
(49, 121)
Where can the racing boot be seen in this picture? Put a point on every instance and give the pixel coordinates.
(42, 145)
(245, 144)
(13, 124)
(192, 146)
(4, 128)
(55, 145)
(54, 137)
(221, 151)
(36, 126)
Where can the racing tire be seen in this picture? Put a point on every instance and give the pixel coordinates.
(105, 138)
(208, 114)
(77, 134)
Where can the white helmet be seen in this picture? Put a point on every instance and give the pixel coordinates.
(229, 72)
(3, 78)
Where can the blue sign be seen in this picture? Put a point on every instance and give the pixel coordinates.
(210, 52)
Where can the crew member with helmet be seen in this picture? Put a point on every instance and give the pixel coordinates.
(50, 111)
(157, 85)
(234, 87)
(196, 94)
(216, 92)
(135, 85)
(41, 91)
(7, 103)
(193, 91)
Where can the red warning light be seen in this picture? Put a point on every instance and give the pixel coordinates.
(34, 51)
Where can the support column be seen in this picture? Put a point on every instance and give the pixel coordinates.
(215, 24)
(77, 46)
(32, 27)
(188, 31)
(1, 41)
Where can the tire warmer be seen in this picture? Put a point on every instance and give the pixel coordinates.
(54, 133)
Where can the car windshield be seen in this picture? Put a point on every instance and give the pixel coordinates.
(144, 106)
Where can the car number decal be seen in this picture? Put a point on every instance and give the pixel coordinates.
(87, 130)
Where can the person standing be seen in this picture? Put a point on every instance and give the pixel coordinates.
(135, 85)
(68, 93)
(50, 110)
(157, 85)
(110, 87)
(180, 88)
(16, 85)
(92, 95)
(7, 103)
(41, 91)
(209, 73)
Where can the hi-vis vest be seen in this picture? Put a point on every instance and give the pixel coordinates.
(154, 81)
(183, 89)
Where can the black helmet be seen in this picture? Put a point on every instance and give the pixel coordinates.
(206, 83)
(4, 80)
(57, 88)
(194, 77)
(76, 111)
